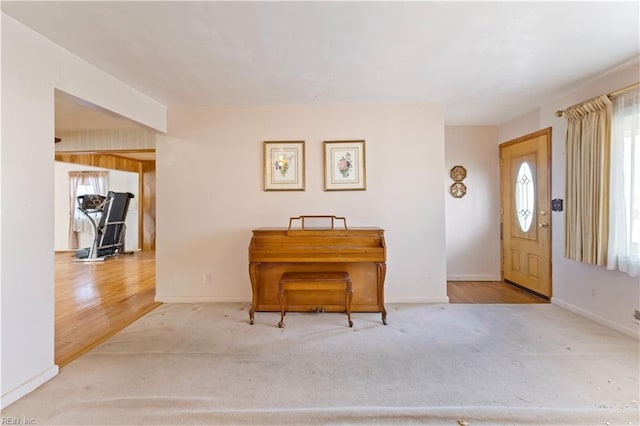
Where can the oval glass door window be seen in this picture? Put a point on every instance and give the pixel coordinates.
(525, 198)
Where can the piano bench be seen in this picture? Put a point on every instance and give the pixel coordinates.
(314, 281)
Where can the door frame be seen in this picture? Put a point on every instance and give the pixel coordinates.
(544, 132)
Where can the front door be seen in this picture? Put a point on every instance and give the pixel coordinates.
(525, 214)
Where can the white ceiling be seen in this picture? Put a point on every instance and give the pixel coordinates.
(487, 62)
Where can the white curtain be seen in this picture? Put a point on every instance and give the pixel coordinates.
(624, 225)
(81, 183)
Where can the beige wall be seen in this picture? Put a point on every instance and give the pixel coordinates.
(473, 221)
(209, 183)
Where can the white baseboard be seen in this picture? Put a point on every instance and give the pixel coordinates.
(200, 299)
(603, 321)
(216, 299)
(416, 300)
(25, 388)
(473, 277)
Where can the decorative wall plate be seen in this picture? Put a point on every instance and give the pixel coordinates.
(458, 190)
(458, 173)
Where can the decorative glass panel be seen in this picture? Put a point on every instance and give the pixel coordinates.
(525, 197)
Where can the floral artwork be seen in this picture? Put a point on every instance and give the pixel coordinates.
(344, 165)
(284, 166)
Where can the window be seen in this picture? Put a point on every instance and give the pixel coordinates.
(624, 212)
(80, 221)
(85, 189)
(81, 183)
(525, 197)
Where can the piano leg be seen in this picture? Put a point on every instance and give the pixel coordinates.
(253, 275)
(282, 299)
(382, 272)
(348, 301)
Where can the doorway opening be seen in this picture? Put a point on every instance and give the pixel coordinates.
(93, 301)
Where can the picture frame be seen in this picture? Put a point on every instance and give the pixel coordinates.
(458, 173)
(284, 167)
(344, 166)
(458, 189)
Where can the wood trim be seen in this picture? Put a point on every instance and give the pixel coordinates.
(542, 132)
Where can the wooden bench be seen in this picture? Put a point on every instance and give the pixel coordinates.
(314, 281)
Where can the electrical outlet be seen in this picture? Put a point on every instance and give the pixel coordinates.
(207, 278)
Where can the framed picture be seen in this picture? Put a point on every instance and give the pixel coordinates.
(458, 189)
(284, 166)
(344, 166)
(458, 173)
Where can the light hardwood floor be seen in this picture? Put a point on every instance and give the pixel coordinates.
(488, 292)
(96, 300)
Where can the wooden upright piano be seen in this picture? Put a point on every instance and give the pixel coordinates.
(359, 251)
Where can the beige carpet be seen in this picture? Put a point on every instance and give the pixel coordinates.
(433, 364)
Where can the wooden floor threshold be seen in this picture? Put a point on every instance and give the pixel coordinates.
(489, 292)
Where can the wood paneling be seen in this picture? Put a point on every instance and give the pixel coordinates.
(95, 300)
(148, 203)
(104, 161)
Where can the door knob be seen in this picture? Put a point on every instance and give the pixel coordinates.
(543, 225)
